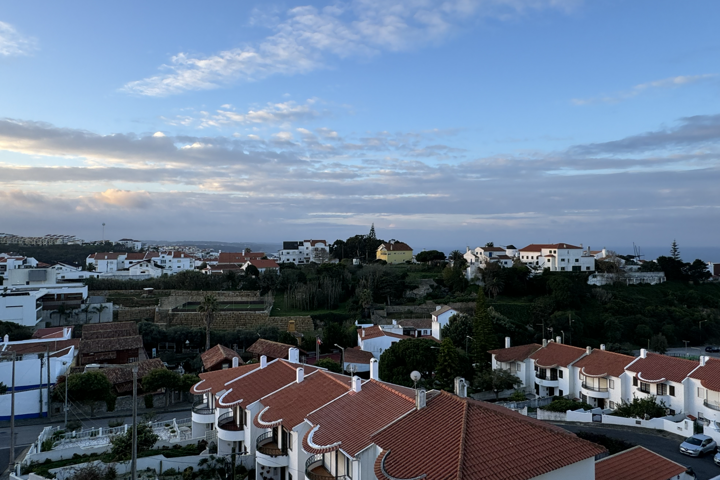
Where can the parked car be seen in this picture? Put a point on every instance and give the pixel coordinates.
(698, 445)
(717, 459)
(712, 349)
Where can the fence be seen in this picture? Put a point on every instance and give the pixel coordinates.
(677, 424)
(531, 403)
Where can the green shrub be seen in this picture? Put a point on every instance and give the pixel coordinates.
(148, 400)
(562, 405)
(47, 445)
(518, 396)
(73, 425)
(188, 473)
(118, 422)
(643, 408)
(110, 473)
(110, 403)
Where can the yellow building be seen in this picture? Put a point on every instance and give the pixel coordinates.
(395, 252)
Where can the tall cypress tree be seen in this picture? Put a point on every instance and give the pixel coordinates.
(448, 365)
(675, 251)
(371, 235)
(483, 338)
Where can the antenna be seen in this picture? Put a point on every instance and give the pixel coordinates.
(103, 235)
(636, 251)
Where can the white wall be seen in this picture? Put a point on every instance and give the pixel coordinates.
(584, 469)
(27, 404)
(22, 309)
(27, 371)
(694, 402)
(376, 345)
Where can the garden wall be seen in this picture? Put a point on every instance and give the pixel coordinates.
(229, 320)
(180, 297)
(677, 424)
(136, 314)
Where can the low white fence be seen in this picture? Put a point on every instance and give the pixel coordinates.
(677, 424)
(712, 430)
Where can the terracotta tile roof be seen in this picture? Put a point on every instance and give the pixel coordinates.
(356, 355)
(135, 256)
(709, 375)
(41, 347)
(657, 368)
(492, 249)
(557, 354)
(315, 242)
(289, 406)
(217, 354)
(271, 349)
(262, 381)
(396, 247)
(519, 353)
(214, 382)
(504, 257)
(123, 374)
(380, 404)
(114, 344)
(445, 308)
(124, 329)
(107, 255)
(637, 463)
(423, 323)
(238, 257)
(536, 247)
(375, 331)
(110, 326)
(259, 263)
(51, 332)
(601, 363)
(477, 440)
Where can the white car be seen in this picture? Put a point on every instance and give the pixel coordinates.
(698, 445)
(717, 459)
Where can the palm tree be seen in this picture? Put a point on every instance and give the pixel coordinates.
(208, 307)
(99, 309)
(86, 310)
(456, 255)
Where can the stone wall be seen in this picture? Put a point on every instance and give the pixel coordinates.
(181, 297)
(122, 404)
(232, 320)
(136, 314)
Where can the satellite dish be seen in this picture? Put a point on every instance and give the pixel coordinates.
(415, 376)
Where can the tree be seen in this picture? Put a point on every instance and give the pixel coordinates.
(428, 256)
(160, 378)
(484, 338)
(674, 251)
(650, 267)
(448, 365)
(658, 343)
(287, 338)
(94, 471)
(99, 309)
(85, 309)
(122, 444)
(458, 328)
(208, 307)
(492, 276)
(489, 244)
(698, 271)
(90, 267)
(642, 408)
(3, 388)
(496, 381)
(456, 256)
(252, 271)
(398, 361)
(330, 364)
(87, 388)
(187, 381)
(371, 235)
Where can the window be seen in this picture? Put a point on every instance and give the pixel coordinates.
(562, 269)
(562, 259)
(612, 405)
(644, 387)
(560, 375)
(661, 389)
(635, 382)
(560, 393)
(672, 412)
(672, 391)
(611, 384)
(577, 260)
(700, 392)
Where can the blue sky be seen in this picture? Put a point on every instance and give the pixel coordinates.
(446, 123)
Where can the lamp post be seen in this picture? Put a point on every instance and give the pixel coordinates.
(66, 393)
(563, 333)
(466, 343)
(342, 359)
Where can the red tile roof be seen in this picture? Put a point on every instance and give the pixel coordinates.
(259, 263)
(536, 247)
(557, 355)
(601, 363)
(492, 249)
(217, 354)
(477, 440)
(315, 242)
(380, 404)
(356, 355)
(709, 375)
(51, 332)
(106, 255)
(657, 368)
(396, 247)
(262, 381)
(41, 347)
(637, 463)
(214, 382)
(238, 257)
(375, 331)
(271, 349)
(289, 406)
(519, 353)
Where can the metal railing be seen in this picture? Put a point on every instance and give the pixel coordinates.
(594, 388)
(201, 407)
(545, 376)
(266, 445)
(712, 405)
(228, 418)
(314, 462)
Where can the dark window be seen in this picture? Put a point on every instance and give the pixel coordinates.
(644, 387)
(635, 382)
(560, 375)
(560, 393)
(672, 392)
(661, 389)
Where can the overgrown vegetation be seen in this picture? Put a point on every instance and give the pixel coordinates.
(613, 445)
(642, 408)
(562, 405)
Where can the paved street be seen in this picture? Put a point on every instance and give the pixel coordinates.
(665, 444)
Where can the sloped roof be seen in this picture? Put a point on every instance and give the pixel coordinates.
(123, 373)
(519, 353)
(289, 406)
(115, 329)
(41, 347)
(214, 382)
(709, 375)
(396, 247)
(380, 404)
(443, 309)
(536, 247)
(217, 354)
(375, 331)
(260, 263)
(110, 344)
(110, 326)
(557, 354)
(50, 332)
(271, 349)
(238, 257)
(357, 355)
(423, 323)
(656, 368)
(475, 440)
(601, 363)
(637, 463)
(492, 249)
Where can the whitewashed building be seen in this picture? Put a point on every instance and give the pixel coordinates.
(377, 339)
(518, 362)
(440, 318)
(702, 390)
(303, 252)
(557, 257)
(553, 369)
(602, 377)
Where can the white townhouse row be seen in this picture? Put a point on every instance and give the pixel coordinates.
(10, 262)
(297, 422)
(154, 263)
(606, 379)
(303, 252)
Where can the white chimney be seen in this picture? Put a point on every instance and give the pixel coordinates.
(356, 384)
(394, 322)
(544, 342)
(420, 398)
(363, 333)
(602, 346)
(236, 362)
(6, 339)
(558, 339)
(703, 359)
(588, 350)
(643, 353)
(300, 374)
(293, 355)
(438, 307)
(460, 387)
(263, 361)
(374, 369)
(507, 342)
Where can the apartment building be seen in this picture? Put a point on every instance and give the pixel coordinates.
(602, 377)
(553, 373)
(557, 257)
(10, 262)
(377, 339)
(702, 392)
(305, 251)
(517, 361)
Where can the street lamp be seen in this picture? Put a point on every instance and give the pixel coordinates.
(563, 332)
(66, 393)
(466, 343)
(342, 360)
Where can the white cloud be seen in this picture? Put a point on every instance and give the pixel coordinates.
(672, 82)
(307, 35)
(271, 114)
(12, 43)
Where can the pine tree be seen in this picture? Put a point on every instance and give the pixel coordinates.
(675, 251)
(484, 338)
(372, 235)
(448, 365)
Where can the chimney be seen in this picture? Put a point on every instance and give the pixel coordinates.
(420, 398)
(293, 355)
(544, 342)
(588, 350)
(6, 339)
(602, 346)
(558, 339)
(703, 360)
(263, 361)
(235, 362)
(300, 374)
(394, 322)
(460, 387)
(438, 307)
(363, 333)
(643, 353)
(356, 384)
(507, 342)
(374, 369)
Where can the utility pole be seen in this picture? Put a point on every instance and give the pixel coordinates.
(47, 355)
(11, 460)
(342, 361)
(66, 393)
(133, 462)
(40, 388)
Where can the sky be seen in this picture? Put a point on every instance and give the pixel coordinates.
(446, 123)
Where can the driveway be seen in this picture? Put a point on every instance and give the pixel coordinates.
(663, 443)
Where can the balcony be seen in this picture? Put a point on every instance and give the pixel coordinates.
(712, 405)
(546, 380)
(594, 391)
(202, 412)
(228, 429)
(315, 469)
(269, 453)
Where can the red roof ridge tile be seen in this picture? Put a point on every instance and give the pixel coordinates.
(393, 390)
(463, 439)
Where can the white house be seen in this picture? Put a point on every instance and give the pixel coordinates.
(517, 360)
(376, 340)
(261, 265)
(553, 369)
(24, 308)
(106, 262)
(702, 390)
(174, 262)
(146, 268)
(479, 258)
(440, 318)
(602, 378)
(70, 273)
(12, 262)
(306, 251)
(557, 257)
(131, 244)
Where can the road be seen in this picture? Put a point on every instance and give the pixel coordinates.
(25, 435)
(665, 444)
